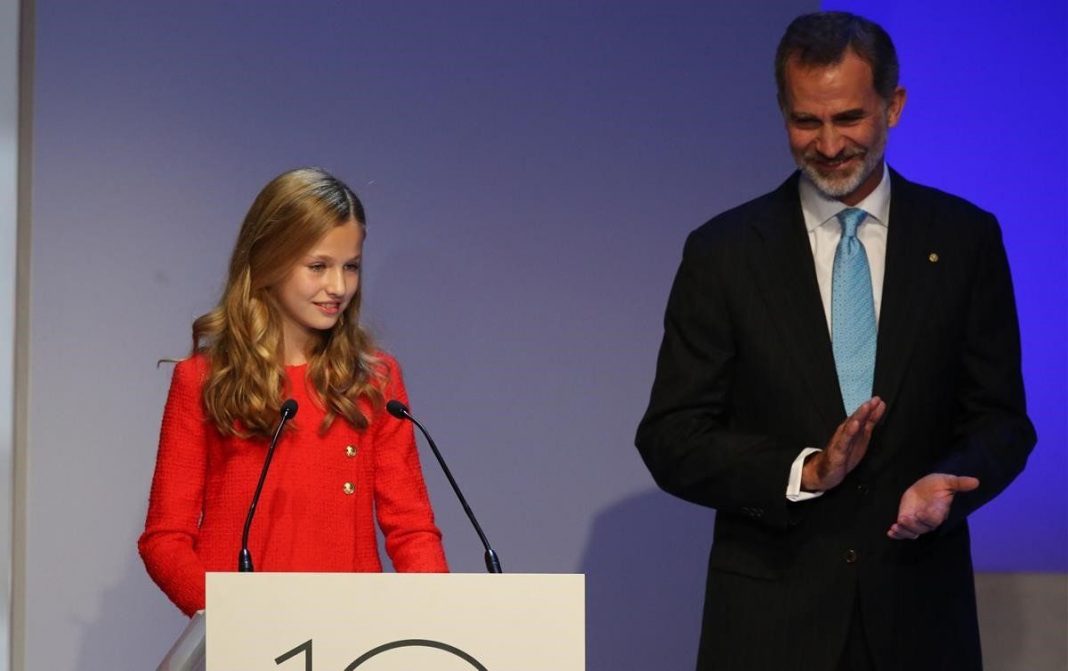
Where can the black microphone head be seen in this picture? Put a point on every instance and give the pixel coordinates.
(289, 409)
(397, 409)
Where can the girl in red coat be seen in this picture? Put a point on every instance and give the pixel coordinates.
(287, 326)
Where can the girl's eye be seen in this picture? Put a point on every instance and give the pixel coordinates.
(316, 267)
(352, 267)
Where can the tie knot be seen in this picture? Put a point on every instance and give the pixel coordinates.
(851, 218)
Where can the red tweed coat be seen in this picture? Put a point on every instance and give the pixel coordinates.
(318, 503)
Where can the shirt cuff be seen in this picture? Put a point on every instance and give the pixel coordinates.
(793, 486)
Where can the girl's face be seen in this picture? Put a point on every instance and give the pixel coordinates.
(319, 287)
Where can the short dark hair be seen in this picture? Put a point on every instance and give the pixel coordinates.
(822, 38)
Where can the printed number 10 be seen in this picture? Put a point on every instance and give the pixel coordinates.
(306, 646)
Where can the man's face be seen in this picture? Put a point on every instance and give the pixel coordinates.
(837, 125)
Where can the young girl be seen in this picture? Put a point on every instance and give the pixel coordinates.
(287, 327)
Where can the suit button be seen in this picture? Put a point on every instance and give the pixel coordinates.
(348, 488)
(350, 451)
(851, 556)
(862, 488)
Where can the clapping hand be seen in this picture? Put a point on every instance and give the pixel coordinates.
(925, 505)
(825, 470)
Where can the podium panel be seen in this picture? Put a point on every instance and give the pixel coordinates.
(395, 622)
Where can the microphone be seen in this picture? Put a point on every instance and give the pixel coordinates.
(400, 411)
(244, 559)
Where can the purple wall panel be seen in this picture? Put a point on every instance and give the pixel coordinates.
(530, 173)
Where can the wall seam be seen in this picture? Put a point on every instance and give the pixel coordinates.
(22, 332)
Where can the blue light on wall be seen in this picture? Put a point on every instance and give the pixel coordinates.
(987, 119)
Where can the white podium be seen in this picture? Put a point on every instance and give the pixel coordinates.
(187, 653)
(394, 622)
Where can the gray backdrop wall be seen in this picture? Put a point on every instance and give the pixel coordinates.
(529, 173)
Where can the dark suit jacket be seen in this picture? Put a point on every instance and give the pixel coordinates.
(746, 378)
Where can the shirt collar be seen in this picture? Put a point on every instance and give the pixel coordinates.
(819, 208)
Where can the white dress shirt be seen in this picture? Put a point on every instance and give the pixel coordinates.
(824, 232)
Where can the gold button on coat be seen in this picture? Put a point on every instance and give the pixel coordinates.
(348, 488)
(350, 451)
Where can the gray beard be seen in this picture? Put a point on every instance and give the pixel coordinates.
(843, 187)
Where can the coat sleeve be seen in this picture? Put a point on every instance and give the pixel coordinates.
(168, 544)
(686, 437)
(402, 506)
(992, 435)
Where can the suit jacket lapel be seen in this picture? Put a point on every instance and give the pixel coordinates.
(786, 276)
(904, 300)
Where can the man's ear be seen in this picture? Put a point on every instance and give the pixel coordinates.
(897, 104)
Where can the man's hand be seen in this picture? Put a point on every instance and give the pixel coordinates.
(826, 469)
(925, 505)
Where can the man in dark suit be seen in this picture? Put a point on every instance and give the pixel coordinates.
(840, 379)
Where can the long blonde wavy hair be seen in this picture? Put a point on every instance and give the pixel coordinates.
(242, 336)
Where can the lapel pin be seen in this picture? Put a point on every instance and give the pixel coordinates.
(933, 258)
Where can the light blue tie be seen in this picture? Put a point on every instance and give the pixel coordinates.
(853, 329)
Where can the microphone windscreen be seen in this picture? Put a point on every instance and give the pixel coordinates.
(289, 409)
(397, 409)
